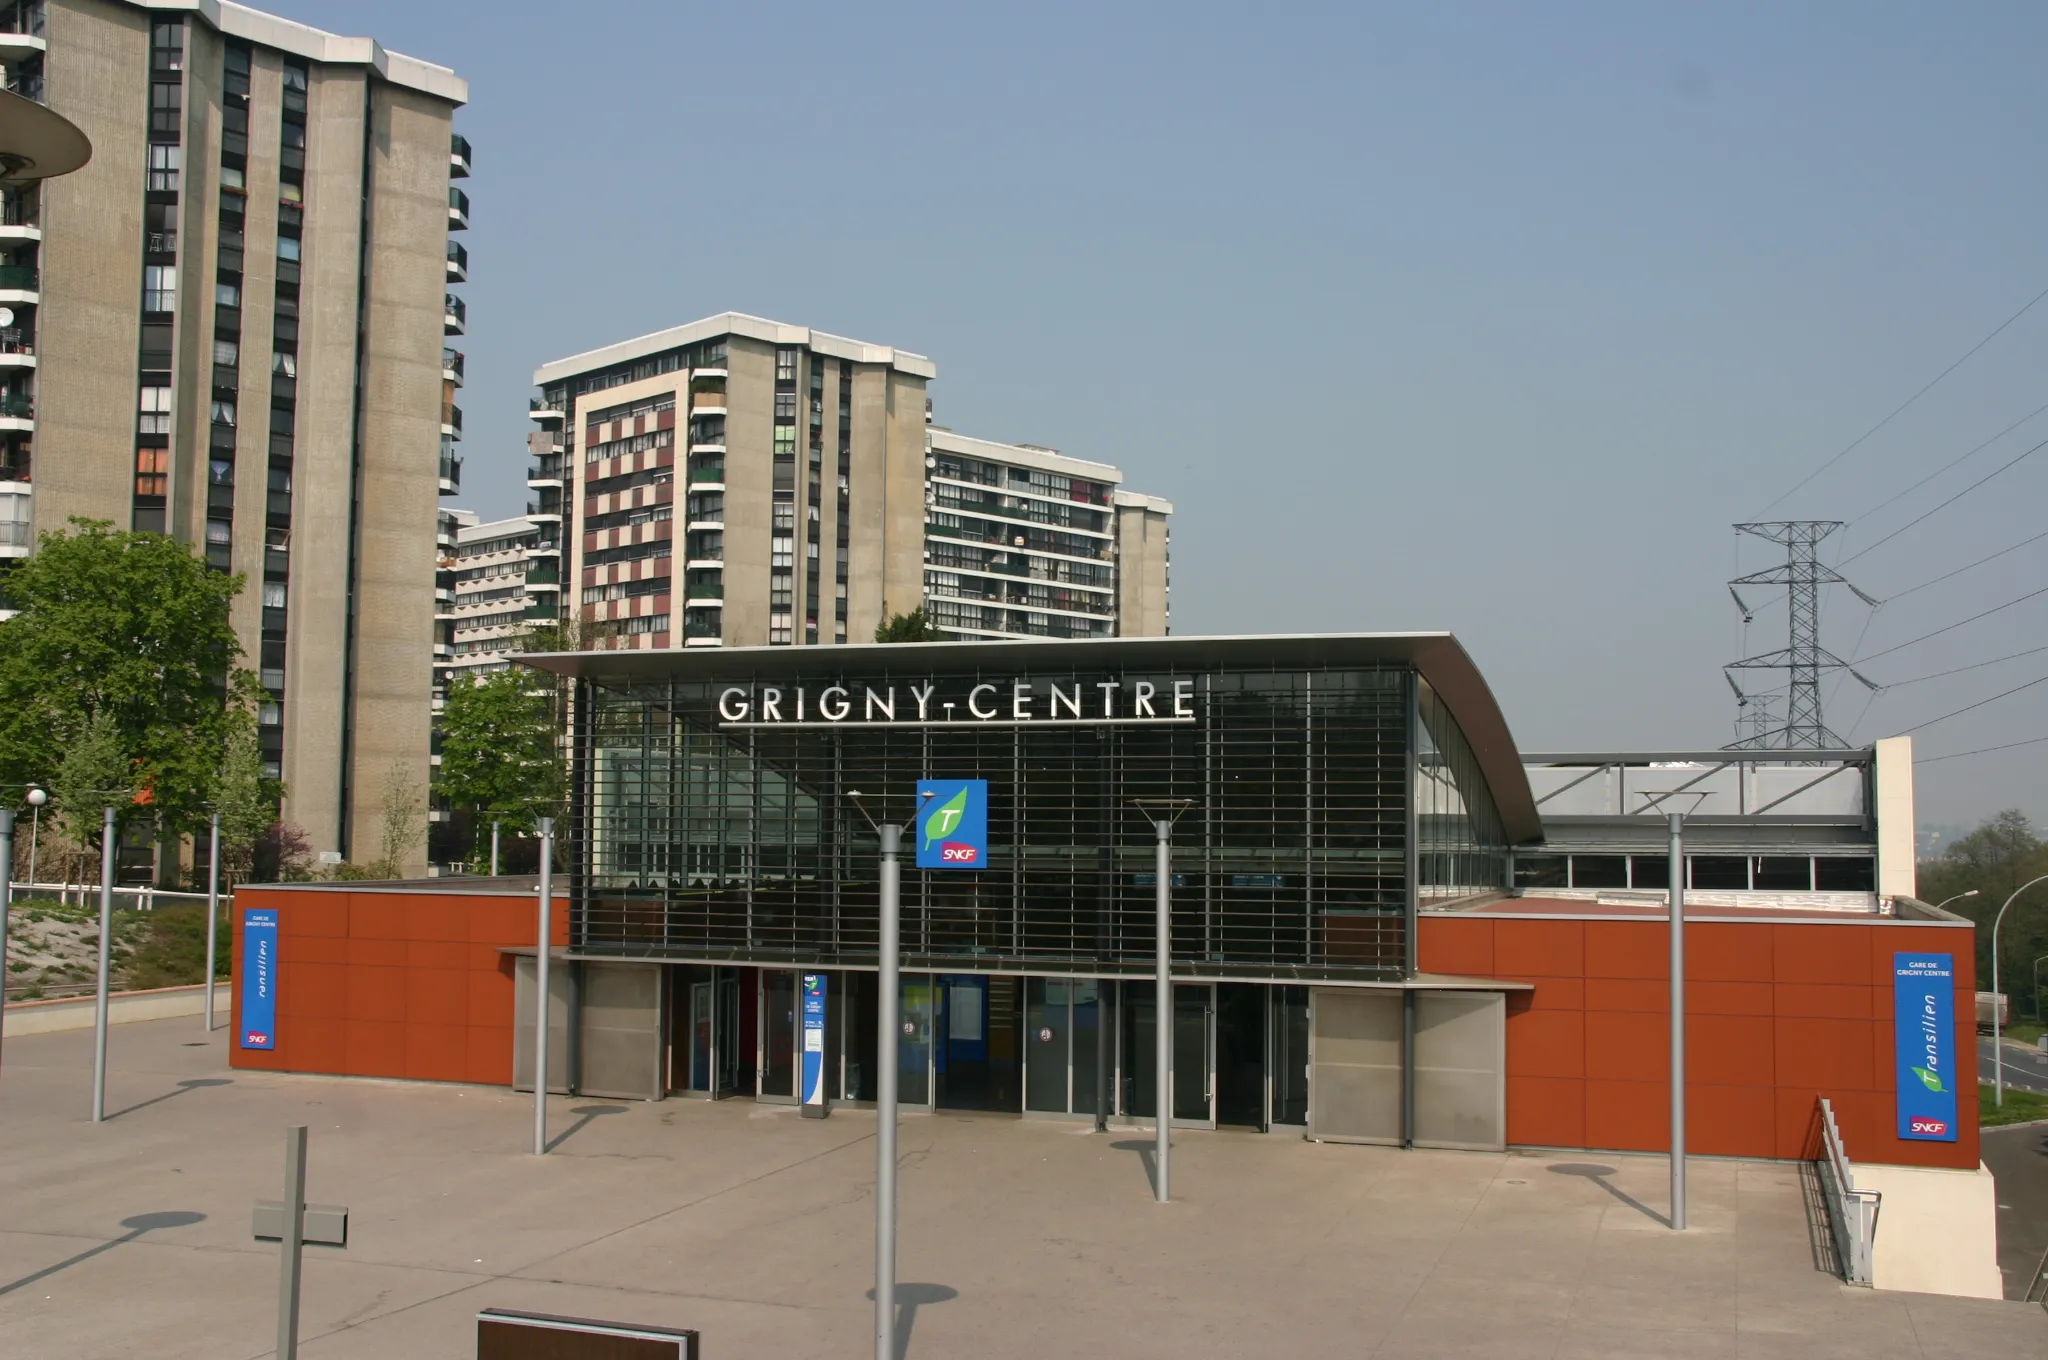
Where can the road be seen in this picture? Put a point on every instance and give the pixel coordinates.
(2025, 1068)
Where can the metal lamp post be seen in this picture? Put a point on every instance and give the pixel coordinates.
(99, 1013)
(888, 1062)
(36, 798)
(212, 914)
(1162, 984)
(546, 827)
(494, 847)
(1677, 872)
(6, 891)
(1957, 898)
(1997, 1027)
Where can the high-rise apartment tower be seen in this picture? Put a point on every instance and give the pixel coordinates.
(741, 482)
(230, 327)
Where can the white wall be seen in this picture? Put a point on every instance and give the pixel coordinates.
(1896, 870)
(1937, 1230)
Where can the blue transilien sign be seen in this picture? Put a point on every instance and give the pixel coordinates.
(259, 979)
(1924, 1000)
(814, 1038)
(952, 823)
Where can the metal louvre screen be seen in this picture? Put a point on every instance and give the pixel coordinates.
(1354, 1066)
(1460, 1069)
(702, 835)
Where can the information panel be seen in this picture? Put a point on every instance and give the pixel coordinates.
(952, 823)
(259, 979)
(1924, 1000)
(814, 1041)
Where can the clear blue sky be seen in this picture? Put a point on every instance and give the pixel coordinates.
(1490, 318)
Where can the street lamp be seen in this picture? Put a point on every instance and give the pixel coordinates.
(36, 798)
(888, 1061)
(1998, 1029)
(1162, 973)
(1957, 898)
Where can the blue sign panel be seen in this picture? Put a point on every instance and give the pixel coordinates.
(1924, 1000)
(814, 1039)
(952, 823)
(259, 979)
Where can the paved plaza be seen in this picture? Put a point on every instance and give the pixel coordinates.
(1020, 1238)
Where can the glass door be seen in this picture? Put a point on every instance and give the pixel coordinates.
(778, 1034)
(726, 1033)
(914, 1050)
(1194, 1045)
(700, 1036)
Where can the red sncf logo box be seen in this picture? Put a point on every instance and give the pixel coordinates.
(1933, 1126)
(954, 852)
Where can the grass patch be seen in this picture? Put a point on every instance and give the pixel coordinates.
(2026, 1032)
(2020, 1107)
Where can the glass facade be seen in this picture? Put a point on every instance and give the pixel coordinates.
(705, 832)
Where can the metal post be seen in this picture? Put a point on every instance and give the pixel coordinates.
(291, 1242)
(212, 916)
(1162, 1006)
(1997, 1021)
(35, 830)
(6, 891)
(99, 1014)
(888, 1051)
(541, 999)
(494, 847)
(1102, 989)
(1677, 872)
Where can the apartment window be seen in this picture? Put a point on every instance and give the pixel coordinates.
(273, 595)
(220, 472)
(163, 169)
(287, 248)
(227, 353)
(231, 181)
(167, 45)
(155, 406)
(785, 441)
(160, 288)
(295, 77)
(269, 714)
(227, 294)
(219, 532)
(164, 107)
(785, 407)
(785, 367)
(152, 472)
(284, 365)
(224, 413)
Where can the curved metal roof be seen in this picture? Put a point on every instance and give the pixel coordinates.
(1439, 657)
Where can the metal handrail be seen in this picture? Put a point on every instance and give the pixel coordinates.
(1852, 1213)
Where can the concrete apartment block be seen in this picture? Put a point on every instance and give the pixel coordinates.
(238, 314)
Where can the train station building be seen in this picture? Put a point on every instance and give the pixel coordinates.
(1388, 924)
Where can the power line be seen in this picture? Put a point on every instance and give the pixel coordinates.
(1947, 503)
(1854, 443)
(2043, 680)
(1981, 750)
(1952, 627)
(1960, 570)
(1951, 463)
(1975, 666)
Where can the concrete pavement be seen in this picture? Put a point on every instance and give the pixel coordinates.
(2025, 1066)
(1020, 1238)
(2018, 1158)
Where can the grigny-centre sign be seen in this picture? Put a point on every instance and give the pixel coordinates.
(1015, 703)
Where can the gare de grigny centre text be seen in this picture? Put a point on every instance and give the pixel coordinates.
(1014, 701)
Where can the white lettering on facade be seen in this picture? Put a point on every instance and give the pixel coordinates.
(1183, 698)
(1109, 689)
(1141, 698)
(923, 697)
(975, 708)
(1072, 702)
(1020, 700)
(725, 709)
(886, 707)
(771, 704)
(833, 711)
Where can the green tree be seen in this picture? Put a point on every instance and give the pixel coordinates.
(123, 640)
(93, 774)
(500, 754)
(1994, 860)
(246, 799)
(911, 627)
(405, 821)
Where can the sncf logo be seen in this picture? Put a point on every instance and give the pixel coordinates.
(1934, 1127)
(954, 852)
(256, 1038)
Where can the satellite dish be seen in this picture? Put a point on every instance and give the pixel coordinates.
(6, 316)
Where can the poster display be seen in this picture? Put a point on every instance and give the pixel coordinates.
(258, 992)
(1924, 1002)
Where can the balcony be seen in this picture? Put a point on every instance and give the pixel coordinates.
(709, 594)
(456, 313)
(458, 156)
(17, 348)
(544, 511)
(21, 217)
(545, 408)
(451, 422)
(458, 209)
(451, 474)
(27, 85)
(707, 475)
(17, 413)
(451, 365)
(543, 611)
(458, 262)
(18, 283)
(545, 443)
(545, 472)
(543, 548)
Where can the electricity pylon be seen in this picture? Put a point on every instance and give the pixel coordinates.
(1802, 658)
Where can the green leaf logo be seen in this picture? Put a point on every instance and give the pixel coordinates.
(1928, 1079)
(945, 818)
